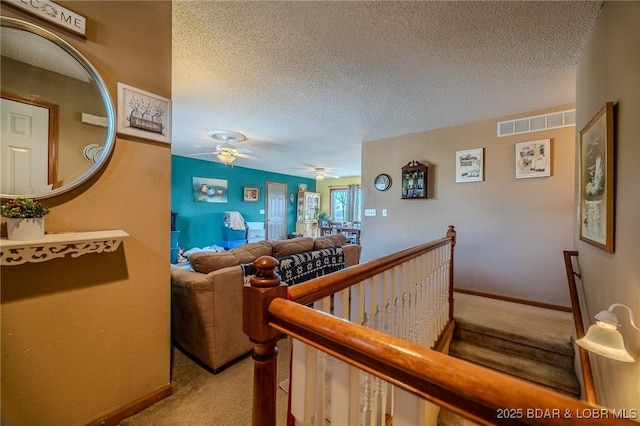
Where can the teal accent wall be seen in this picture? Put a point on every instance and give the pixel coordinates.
(200, 223)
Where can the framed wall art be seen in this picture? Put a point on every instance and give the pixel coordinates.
(470, 165)
(143, 114)
(251, 194)
(210, 190)
(596, 185)
(533, 159)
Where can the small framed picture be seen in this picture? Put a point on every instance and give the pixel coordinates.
(533, 159)
(470, 165)
(143, 114)
(251, 194)
(596, 184)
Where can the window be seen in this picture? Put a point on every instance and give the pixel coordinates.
(341, 205)
(338, 204)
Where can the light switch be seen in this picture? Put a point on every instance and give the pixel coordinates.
(369, 212)
(261, 211)
(384, 212)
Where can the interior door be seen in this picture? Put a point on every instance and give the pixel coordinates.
(276, 211)
(24, 157)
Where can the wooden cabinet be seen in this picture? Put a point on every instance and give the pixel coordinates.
(414, 180)
(307, 213)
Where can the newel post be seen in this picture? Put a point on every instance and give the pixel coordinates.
(256, 297)
(451, 233)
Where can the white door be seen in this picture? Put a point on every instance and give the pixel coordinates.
(276, 211)
(24, 151)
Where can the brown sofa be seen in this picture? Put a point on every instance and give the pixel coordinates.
(206, 314)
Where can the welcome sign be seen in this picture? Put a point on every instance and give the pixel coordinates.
(54, 13)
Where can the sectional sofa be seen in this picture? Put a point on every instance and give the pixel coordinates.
(206, 297)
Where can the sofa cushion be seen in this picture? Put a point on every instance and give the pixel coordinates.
(293, 246)
(250, 252)
(206, 262)
(327, 241)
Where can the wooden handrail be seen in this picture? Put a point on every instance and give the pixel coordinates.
(585, 363)
(318, 288)
(480, 394)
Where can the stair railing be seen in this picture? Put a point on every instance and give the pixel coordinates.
(406, 295)
(477, 393)
(585, 363)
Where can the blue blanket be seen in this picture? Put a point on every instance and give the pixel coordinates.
(301, 267)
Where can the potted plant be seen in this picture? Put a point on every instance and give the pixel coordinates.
(324, 218)
(25, 219)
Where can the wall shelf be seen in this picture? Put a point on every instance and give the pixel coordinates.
(54, 246)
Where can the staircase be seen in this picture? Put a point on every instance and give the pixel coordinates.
(528, 342)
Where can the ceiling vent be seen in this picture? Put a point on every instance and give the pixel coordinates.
(537, 123)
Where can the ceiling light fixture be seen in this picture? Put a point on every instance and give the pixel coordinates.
(604, 339)
(226, 157)
(319, 173)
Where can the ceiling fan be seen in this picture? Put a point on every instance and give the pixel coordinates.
(229, 149)
(321, 173)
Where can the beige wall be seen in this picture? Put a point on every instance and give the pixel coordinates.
(83, 337)
(511, 231)
(609, 71)
(325, 186)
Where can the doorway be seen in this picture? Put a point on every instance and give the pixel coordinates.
(29, 144)
(276, 213)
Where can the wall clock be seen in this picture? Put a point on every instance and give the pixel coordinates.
(382, 182)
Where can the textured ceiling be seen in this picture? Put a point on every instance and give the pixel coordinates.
(309, 82)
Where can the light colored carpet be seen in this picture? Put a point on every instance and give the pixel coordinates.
(547, 327)
(204, 399)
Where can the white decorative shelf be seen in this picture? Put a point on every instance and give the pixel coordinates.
(54, 246)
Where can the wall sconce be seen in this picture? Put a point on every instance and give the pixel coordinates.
(604, 339)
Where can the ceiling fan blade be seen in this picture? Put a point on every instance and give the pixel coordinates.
(201, 153)
(248, 157)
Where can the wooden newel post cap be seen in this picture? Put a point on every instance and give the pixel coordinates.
(266, 276)
(257, 294)
(451, 232)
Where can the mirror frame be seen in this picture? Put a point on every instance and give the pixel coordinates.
(104, 93)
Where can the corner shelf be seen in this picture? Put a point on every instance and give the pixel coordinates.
(54, 246)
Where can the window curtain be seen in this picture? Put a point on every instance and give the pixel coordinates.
(351, 215)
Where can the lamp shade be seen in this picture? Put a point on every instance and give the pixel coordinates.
(225, 157)
(604, 339)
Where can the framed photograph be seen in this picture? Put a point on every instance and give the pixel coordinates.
(470, 165)
(251, 194)
(143, 114)
(533, 159)
(596, 184)
(209, 190)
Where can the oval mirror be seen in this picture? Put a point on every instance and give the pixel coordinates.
(58, 120)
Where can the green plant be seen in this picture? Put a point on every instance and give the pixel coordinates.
(23, 208)
(324, 216)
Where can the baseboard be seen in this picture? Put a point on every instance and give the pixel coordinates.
(514, 300)
(114, 418)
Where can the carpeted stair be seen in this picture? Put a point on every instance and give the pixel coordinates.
(527, 342)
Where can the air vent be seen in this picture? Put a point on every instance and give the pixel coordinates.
(536, 123)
